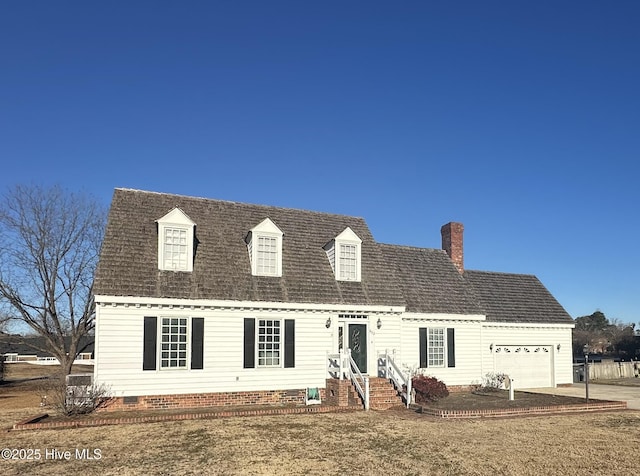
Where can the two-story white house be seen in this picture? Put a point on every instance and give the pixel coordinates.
(204, 302)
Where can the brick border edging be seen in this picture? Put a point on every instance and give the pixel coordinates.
(33, 423)
(602, 405)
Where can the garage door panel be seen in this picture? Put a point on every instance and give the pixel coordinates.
(530, 366)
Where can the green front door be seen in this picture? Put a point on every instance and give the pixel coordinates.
(358, 345)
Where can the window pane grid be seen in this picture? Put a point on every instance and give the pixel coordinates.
(268, 342)
(348, 262)
(435, 348)
(175, 249)
(173, 350)
(267, 255)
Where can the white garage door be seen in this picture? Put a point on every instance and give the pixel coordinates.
(530, 365)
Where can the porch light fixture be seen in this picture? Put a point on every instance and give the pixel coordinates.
(558, 347)
(490, 346)
(328, 323)
(379, 323)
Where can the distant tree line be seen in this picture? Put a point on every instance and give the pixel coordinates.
(606, 337)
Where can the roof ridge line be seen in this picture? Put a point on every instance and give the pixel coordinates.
(208, 199)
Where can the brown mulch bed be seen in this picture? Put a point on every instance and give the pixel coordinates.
(491, 402)
(500, 399)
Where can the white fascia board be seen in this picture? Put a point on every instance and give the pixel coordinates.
(421, 316)
(341, 308)
(528, 324)
(176, 217)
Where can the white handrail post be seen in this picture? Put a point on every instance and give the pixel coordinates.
(328, 364)
(387, 366)
(386, 363)
(341, 361)
(409, 390)
(366, 392)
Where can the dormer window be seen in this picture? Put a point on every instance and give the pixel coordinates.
(175, 241)
(344, 253)
(264, 243)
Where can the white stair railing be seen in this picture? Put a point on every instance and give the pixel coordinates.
(400, 381)
(361, 382)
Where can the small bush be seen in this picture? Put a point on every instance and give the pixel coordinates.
(493, 381)
(428, 389)
(72, 399)
(1, 368)
(79, 401)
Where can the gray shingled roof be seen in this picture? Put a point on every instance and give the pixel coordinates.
(516, 298)
(423, 280)
(429, 281)
(128, 260)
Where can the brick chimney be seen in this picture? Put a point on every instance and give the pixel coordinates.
(452, 243)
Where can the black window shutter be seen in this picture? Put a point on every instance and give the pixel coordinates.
(249, 343)
(423, 347)
(149, 343)
(451, 347)
(289, 343)
(197, 344)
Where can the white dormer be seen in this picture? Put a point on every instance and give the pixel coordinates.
(264, 243)
(344, 253)
(175, 241)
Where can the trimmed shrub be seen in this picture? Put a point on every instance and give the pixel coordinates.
(1, 368)
(428, 389)
(493, 381)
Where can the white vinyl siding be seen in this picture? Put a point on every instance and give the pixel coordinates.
(435, 347)
(173, 342)
(468, 365)
(120, 341)
(269, 343)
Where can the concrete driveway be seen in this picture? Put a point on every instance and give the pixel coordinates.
(631, 395)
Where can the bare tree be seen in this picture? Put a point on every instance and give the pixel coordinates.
(49, 245)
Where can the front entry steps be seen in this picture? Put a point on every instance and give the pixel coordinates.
(382, 394)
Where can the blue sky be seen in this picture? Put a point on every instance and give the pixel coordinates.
(519, 119)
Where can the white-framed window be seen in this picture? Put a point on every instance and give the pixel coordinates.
(269, 342)
(267, 255)
(344, 253)
(173, 343)
(175, 252)
(264, 243)
(435, 347)
(348, 262)
(175, 241)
